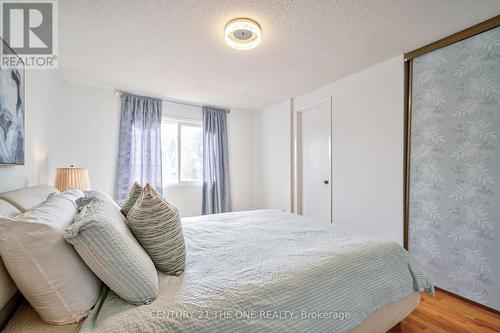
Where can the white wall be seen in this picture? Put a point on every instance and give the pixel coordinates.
(244, 160)
(43, 133)
(368, 147)
(92, 117)
(91, 130)
(69, 123)
(275, 143)
(367, 141)
(367, 144)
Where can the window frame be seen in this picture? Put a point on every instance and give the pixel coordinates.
(180, 122)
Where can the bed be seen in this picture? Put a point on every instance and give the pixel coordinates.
(265, 271)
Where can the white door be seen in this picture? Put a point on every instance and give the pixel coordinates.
(315, 150)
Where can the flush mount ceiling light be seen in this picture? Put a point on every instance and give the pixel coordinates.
(242, 34)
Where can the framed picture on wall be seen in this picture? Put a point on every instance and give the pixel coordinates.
(12, 114)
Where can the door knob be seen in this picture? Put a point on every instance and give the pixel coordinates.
(326, 182)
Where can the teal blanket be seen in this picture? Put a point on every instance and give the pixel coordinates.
(269, 271)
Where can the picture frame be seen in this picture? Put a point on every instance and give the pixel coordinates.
(12, 112)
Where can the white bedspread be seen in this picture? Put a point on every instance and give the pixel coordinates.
(264, 271)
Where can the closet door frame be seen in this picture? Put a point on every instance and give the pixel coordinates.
(408, 59)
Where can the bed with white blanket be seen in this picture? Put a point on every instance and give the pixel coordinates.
(266, 271)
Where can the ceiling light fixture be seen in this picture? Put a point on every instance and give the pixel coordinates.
(242, 34)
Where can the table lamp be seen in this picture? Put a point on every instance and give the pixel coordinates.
(72, 177)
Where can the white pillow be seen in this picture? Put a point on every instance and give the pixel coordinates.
(46, 269)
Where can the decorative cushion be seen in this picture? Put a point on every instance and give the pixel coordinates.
(157, 226)
(7, 288)
(47, 270)
(29, 197)
(89, 195)
(6, 209)
(101, 237)
(134, 194)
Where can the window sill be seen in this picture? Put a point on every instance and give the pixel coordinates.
(183, 184)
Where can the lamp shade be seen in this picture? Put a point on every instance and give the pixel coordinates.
(72, 177)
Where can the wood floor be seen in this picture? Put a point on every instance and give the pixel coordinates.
(447, 314)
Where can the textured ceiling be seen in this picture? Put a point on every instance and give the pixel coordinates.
(176, 48)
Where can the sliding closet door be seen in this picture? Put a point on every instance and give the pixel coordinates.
(454, 167)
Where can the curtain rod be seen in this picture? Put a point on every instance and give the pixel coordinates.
(119, 92)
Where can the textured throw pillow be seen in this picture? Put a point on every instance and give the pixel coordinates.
(157, 226)
(46, 269)
(101, 237)
(134, 194)
(89, 195)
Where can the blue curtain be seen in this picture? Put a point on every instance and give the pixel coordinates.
(139, 155)
(216, 193)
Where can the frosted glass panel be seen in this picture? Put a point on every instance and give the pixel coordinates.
(454, 219)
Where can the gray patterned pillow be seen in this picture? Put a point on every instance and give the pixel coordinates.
(101, 237)
(90, 195)
(157, 226)
(135, 192)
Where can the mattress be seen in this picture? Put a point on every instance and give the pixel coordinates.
(26, 320)
(269, 271)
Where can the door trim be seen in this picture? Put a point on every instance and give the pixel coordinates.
(297, 190)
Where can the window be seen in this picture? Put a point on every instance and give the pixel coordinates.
(182, 145)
